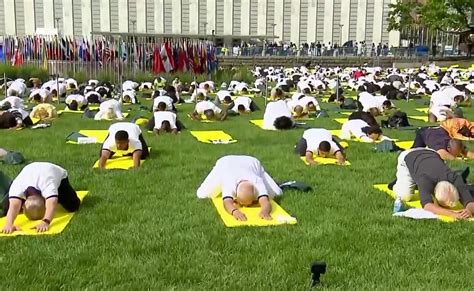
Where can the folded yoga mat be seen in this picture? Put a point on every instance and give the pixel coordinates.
(415, 202)
(119, 161)
(420, 118)
(59, 223)
(324, 161)
(423, 110)
(99, 135)
(213, 137)
(279, 215)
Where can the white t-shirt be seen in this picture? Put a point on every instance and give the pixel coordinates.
(207, 105)
(314, 136)
(306, 100)
(109, 105)
(43, 176)
(14, 101)
(129, 85)
(273, 111)
(229, 171)
(131, 94)
(45, 94)
(81, 100)
(17, 86)
(165, 99)
(133, 131)
(353, 128)
(222, 94)
(70, 82)
(161, 116)
(245, 101)
(439, 98)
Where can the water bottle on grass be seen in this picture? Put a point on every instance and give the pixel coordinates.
(397, 205)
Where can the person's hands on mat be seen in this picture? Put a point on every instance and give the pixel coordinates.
(7, 229)
(464, 214)
(239, 215)
(266, 208)
(42, 227)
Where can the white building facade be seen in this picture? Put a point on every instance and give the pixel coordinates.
(298, 21)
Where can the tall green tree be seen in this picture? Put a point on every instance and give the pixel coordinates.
(451, 16)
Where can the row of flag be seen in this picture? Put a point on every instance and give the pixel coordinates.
(159, 56)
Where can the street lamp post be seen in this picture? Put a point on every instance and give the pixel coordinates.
(340, 37)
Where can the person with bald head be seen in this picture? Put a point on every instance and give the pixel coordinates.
(242, 180)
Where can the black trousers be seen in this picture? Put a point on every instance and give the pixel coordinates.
(67, 197)
(420, 138)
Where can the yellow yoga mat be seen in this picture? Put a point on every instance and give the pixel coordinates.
(324, 99)
(119, 162)
(279, 215)
(76, 111)
(213, 137)
(59, 223)
(100, 135)
(421, 118)
(203, 119)
(415, 202)
(423, 110)
(259, 123)
(341, 120)
(324, 161)
(404, 144)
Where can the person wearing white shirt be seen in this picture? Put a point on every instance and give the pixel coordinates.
(223, 96)
(147, 86)
(12, 102)
(369, 101)
(165, 99)
(208, 110)
(16, 88)
(129, 96)
(361, 130)
(309, 104)
(129, 85)
(277, 116)
(39, 187)
(443, 102)
(71, 84)
(243, 104)
(319, 142)
(76, 102)
(40, 96)
(126, 137)
(165, 122)
(93, 97)
(110, 109)
(243, 179)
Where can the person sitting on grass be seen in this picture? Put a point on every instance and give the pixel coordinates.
(76, 102)
(278, 116)
(206, 110)
(319, 142)
(38, 189)
(438, 139)
(361, 130)
(425, 169)
(459, 128)
(126, 137)
(242, 180)
(109, 110)
(44, 112)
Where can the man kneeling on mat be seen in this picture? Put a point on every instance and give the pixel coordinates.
(425, 168)
(38, 189)
(242, 181)
(278, 116)
(438, 139)
(127, 137)
(320, 142)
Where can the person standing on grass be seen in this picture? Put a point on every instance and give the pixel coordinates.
(438, 139)
(319, 142)
(126, 137)
(242, 180)
(38, 189)
(425, 169)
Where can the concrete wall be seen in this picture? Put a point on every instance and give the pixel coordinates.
(297, 21)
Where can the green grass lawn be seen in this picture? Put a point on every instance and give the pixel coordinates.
(146, 229)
